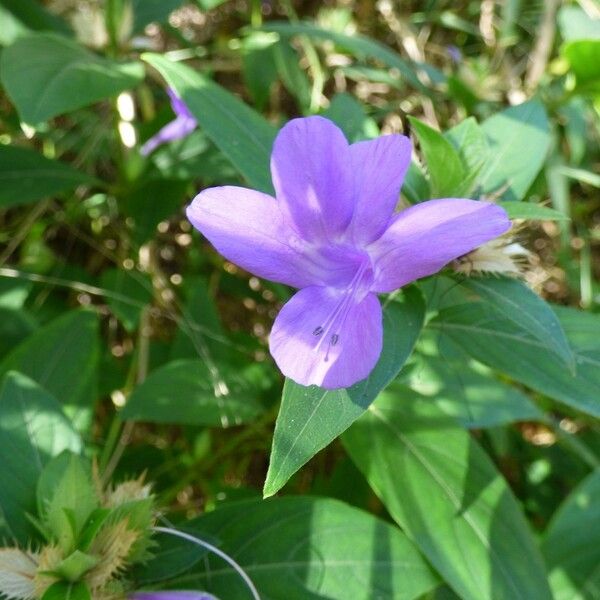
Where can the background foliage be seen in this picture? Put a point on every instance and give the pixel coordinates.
(466, 465)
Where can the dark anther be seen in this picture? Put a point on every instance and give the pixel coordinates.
(334, 339)
(318, 331)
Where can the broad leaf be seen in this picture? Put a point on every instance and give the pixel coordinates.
(311, 417)
(171, 557)
(571, 546)
(46, 75)
(526, 309)
(63, 358)
(473, 398)
(33, 429)
(27, 176)
(519, 139)
(497, 341)
(193, 393)
(443, 490)
(308, 549)
(447, 174)
(241, 133)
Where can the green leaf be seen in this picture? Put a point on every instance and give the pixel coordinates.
(291, 73)
(33, 15)
(192, 393)
(170, 558)
(150, 11)
(200, 334)
(358, 45)
(33, 429)
(447, 174)
(350, 116)
(513, 299)
(519, 139)
(66, 499)
(308, 548)
(15, 326)
(582, 46)
(311, 417)
(471, 144)
(67, 591)
(443, 490)
(581, 175)
(63, 358)
(46, 75)
(242, 134)
(570, 544)
(475, 399)
(134, 288)
(26, 176)
(532, 211)
(584, 58)
(259, 66)
(498, 342)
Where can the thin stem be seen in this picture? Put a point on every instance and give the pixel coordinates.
(214, 550)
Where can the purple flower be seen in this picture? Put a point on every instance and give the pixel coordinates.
(183, 125)
(172, 596)
(332, 232)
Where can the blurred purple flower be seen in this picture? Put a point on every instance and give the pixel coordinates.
(172, 596)
(333, 233)
(181, 126)
(454, 53)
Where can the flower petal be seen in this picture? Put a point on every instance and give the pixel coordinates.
(379, 167)
(424, 238)
(175, 130)
(309, 357)
(178, 105)
(312, 176)
(249, 229)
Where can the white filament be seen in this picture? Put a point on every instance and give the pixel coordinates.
(214, 550)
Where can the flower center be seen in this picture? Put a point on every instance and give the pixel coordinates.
(329, 331)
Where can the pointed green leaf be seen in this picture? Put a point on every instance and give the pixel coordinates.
(526, 309)
(443, 490)
(46, 75)
(66, 499)
(311, 417)
(532, 211)
(33, 429)
(242, 134)
(498, 342)
(447, 174)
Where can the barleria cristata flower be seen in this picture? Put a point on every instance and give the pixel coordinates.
(332, 232)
